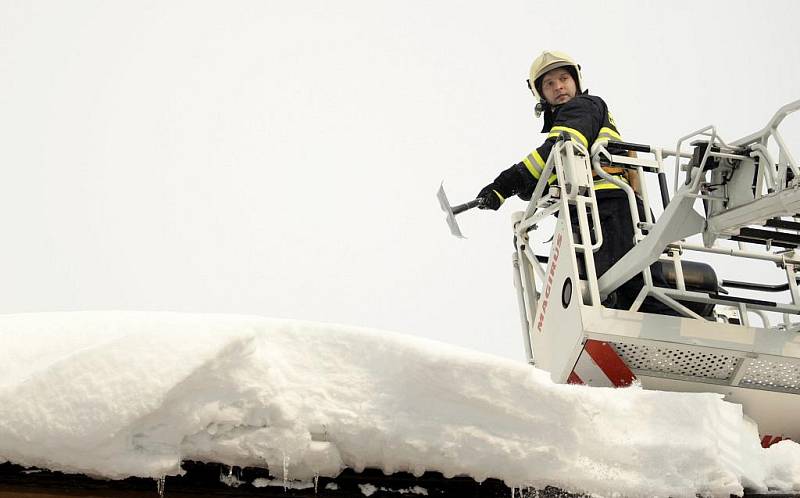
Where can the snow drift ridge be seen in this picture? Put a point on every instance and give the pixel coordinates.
(119, 394)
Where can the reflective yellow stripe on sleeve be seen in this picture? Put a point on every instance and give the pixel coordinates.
(606, 132)
(534, 163)
(502, 199)
(531, 168)
(554, 132)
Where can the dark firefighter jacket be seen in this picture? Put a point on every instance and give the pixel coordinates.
(586, 119)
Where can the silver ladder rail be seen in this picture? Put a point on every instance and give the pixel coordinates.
(730, 211)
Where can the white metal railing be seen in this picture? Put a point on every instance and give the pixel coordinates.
(574, 166)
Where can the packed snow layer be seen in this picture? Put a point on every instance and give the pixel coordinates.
(119, 394)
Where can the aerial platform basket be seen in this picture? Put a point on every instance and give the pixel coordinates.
(746, 347)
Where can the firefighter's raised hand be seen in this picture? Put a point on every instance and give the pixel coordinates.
(490, 198)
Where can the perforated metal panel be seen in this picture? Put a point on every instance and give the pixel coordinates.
(774, 375)
(759, 373)
(676, 361)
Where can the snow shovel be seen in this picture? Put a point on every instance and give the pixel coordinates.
(452, 211)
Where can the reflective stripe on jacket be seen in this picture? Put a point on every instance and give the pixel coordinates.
(585, 119)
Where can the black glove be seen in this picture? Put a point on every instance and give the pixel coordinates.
(490, 198)
(510, 182)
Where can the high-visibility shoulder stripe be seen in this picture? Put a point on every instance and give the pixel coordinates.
(609, 132)
(572, 131)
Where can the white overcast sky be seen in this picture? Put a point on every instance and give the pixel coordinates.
(282, 158)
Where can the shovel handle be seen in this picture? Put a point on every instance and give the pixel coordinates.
(469, 205)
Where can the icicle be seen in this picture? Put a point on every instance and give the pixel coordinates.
(316, 481)
(512, 491)
(285, 472)
(161, 483)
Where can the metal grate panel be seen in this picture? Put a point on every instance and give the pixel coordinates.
(675, 361)
(773, 375)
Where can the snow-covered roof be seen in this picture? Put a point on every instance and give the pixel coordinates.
(119, 394)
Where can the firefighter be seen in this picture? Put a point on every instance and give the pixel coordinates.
(556, 82)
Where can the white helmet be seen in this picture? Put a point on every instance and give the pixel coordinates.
(547, 61)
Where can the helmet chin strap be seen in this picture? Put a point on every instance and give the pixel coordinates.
(541, 107)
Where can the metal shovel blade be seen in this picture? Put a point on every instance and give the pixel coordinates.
(451, 218)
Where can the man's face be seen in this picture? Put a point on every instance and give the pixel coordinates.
(558, 87)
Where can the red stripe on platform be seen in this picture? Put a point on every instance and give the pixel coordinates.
(574, 379)
(610, 363)
(767, 441)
